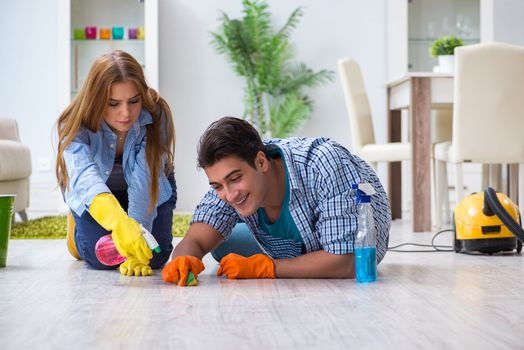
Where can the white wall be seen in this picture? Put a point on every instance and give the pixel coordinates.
(503, 21)
(201, 87)
(511, 13)
(196, 81)
(28, 86)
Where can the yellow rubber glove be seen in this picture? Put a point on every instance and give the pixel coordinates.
(177, 270)
(133, 267)
(125, 231)
(256, 266)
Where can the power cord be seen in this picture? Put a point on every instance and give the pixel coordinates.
(436, 248)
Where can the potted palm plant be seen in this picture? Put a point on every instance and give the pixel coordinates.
(444, 49)
(274, 102)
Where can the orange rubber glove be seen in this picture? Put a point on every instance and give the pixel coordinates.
(256, 266)
(178, 269)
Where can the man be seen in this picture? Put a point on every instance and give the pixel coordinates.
(295, 197)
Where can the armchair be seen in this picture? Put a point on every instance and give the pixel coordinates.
(15, 166)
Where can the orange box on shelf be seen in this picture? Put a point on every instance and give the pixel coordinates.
(105, 33)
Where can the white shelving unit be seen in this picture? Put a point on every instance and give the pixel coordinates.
(77, 56)
(430, 20)
(414, 24)
(85, 52)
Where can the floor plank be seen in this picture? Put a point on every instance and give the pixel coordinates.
(421, 300)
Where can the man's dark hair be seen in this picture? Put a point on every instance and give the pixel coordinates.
(229, 136)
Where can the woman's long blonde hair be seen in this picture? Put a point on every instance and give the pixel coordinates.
(88, 106)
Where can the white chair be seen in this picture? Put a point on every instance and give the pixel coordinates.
(441, 129)
(15, 166)
(488, 113)
(362, 133)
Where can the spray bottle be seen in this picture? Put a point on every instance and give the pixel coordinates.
(107, 254)
(366, 240)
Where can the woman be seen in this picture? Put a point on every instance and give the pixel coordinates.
(115, 165)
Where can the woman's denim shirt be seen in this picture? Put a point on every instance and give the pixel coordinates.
(89, 160)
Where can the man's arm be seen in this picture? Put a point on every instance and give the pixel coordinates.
(199, 240)
(319, 264)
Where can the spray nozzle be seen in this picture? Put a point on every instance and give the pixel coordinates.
(150, 240)
(364, 192)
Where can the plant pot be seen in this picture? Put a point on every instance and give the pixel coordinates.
(446, 63)
(6, 218)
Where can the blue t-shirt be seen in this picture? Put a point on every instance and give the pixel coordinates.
(284, 226)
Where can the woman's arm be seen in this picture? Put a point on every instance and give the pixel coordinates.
(85, 181)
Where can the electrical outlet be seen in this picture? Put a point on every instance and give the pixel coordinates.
(44, 164)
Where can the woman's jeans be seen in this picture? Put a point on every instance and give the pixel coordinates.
(240, 241)
(88, 232)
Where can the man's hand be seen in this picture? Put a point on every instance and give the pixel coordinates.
(256, 266)
(133, 267)
(177, 270)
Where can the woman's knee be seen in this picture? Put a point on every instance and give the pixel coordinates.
(87, 233)
(160, 259)
(86, 250)
(163, 232)
(97, 265)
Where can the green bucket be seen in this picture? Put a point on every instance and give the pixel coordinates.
(6, 215)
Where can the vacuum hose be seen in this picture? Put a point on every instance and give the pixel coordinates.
(491, 200)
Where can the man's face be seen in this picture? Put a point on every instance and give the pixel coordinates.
(238, 183)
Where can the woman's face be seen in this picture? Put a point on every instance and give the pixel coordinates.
(123, 107)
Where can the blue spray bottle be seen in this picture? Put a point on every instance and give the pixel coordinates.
(366, 240)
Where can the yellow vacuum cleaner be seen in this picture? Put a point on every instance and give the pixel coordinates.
(487, 222)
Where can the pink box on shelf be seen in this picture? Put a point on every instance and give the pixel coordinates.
(91, 32)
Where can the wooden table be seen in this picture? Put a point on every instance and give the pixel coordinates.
(419, 93)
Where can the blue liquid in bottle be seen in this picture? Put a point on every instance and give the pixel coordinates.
(366, 264)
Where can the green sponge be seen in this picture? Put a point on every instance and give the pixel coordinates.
(191, 280)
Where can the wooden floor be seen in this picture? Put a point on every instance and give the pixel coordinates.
(421, 301)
